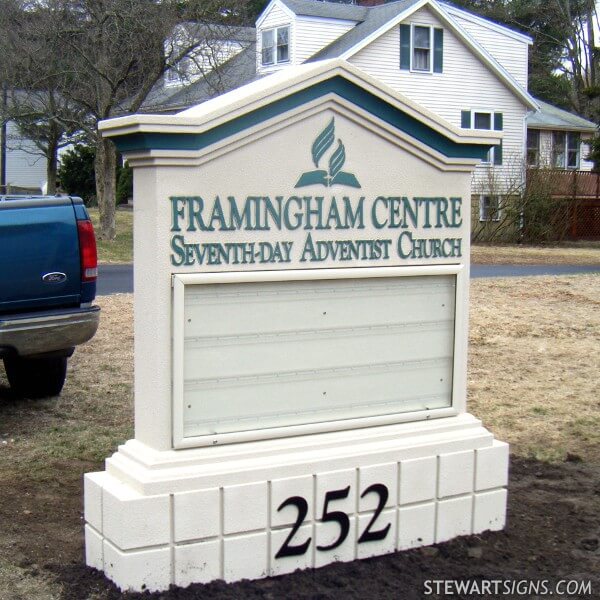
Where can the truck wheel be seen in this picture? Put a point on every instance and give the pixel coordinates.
(36, 377)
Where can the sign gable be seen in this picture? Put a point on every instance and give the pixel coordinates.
(336, 79)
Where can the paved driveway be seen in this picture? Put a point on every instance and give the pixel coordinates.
(118, 279)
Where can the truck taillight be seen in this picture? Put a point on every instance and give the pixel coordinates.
(87, 251)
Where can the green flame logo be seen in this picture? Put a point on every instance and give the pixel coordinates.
(334, 175)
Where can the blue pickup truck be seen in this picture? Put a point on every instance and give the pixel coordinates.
(48, 270)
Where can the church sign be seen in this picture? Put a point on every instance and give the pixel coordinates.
(301, 293)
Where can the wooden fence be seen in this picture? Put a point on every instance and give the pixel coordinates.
(581, 192)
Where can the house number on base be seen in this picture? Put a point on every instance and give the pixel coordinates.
(370, 534)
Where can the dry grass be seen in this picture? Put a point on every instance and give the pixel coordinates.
(119, 250)
(574, 254)
(534, 363)
(533, 376)
(93, 414)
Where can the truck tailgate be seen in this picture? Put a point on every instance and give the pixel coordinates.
(39, 254)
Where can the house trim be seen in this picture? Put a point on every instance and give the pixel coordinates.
(579, 129)
(467, 16)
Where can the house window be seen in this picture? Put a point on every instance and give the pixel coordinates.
(533, 148)
(565, 150)
(276, 46)
(489, 208)
(485, 120)
(559, 140)
(421, 49)
(573, 146)
(482, 120)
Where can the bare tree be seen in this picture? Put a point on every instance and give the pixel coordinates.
(32, 77)
(109, 54)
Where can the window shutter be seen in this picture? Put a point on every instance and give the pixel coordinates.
(405, 47)
(465, 119)
(438, 50)
(498, 154)
(498, 121)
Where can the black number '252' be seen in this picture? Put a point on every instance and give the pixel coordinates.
(337, 516)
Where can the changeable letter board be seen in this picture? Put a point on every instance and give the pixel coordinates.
(255, 356)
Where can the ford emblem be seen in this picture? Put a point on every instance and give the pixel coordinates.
(54, 278)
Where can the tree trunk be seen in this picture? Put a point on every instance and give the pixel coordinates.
(51, 168)
(106, 184)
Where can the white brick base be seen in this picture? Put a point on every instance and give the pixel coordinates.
(156, 519)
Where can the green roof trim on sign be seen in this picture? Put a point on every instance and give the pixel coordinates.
(337, 85)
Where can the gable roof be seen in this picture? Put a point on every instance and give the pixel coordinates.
(380, 19)
(376, 18)
(327, 10)
(487, 23)
(238, 70)
(552, 117)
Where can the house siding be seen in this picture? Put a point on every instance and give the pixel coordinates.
(313, 35)
(465, 84)
(25, 166)
(509, 52)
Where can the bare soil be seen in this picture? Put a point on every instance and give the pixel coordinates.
(533, 373)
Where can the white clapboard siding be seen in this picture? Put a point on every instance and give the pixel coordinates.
(25, 165)
(313, 35)
(466, 83)
(586, 165)
(315, 351)
(276, 16)
(510, 52)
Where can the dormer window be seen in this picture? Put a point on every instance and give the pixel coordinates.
(276, 46)
(421, 50)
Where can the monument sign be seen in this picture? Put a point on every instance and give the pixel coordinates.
(301, 298)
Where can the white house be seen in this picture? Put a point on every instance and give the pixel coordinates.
(22, 166)
(468, 70)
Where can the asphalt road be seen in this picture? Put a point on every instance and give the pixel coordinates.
(118, 279)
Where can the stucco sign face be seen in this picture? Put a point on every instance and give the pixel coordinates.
(325, 217)
(322, 326)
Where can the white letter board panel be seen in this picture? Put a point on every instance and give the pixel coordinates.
(275, 354)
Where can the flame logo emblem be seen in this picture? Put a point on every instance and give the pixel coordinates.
(334, 175)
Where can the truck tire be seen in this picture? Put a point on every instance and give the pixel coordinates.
(36, 377)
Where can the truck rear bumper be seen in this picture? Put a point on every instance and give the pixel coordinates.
(48, 331)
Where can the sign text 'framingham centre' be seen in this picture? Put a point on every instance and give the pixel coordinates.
(313, 214)
(301, 318)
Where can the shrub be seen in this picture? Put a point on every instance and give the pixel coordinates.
(76, 173)
(124, 184)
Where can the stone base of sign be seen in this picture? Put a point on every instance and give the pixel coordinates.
(179, 517)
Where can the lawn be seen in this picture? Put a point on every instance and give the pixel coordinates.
(119, 250)
(533, 373)
(581, 253)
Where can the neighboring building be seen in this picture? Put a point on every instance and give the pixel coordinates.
(224, 63)
(468, 70)
(558, 139)
(24, 167)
